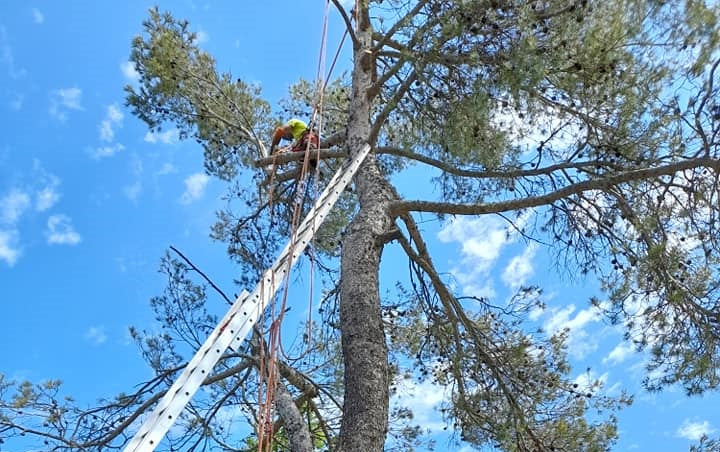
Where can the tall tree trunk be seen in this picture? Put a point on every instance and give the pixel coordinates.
(365, 411)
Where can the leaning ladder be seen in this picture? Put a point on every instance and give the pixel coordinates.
(239, 320)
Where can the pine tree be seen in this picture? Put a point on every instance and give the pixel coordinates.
(592, 126)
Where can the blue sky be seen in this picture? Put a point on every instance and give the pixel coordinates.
(89, 202)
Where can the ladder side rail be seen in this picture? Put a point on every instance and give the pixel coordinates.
(197, 364)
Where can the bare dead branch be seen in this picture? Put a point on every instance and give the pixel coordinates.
(205, 277)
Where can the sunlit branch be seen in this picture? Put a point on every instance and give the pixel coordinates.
(298, 430)
(602, 183)
(453, 308)
(388, 42)
(485, 174)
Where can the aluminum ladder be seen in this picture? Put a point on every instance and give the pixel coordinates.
(242, 315)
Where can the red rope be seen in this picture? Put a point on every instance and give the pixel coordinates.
(269, 377)
(268, 371)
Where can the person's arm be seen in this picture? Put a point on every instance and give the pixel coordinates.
(283, 132)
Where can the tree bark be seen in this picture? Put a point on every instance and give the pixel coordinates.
(298, 431)
(365, 411)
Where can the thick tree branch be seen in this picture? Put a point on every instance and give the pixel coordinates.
(298, 430)
(485, 174)
(456, 313)
(286, 157)
(602, 183)
(335, 139)
(348, 23)
(388, 42)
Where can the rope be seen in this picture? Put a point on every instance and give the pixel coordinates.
(268, 371)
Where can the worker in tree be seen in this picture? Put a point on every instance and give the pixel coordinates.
(296, 131)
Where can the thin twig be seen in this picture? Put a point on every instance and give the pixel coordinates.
(214, 286)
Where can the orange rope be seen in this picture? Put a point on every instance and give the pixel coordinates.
(268, 370)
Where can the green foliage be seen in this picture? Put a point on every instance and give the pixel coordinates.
(469, 133)
(507, 92)
(304, 100)
(706, 445)
(525, 104)
(179, 85)
(508, 388)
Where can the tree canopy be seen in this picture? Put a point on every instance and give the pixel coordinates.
(590, 126)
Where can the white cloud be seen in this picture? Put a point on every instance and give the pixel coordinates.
(16, 202)
(476, 287)
(536, 312)
(105, 151)
(579, 342)
(60, 231)
(202, 36)
(113, 120)
(96, 335)
(13, 205)
(551, 125)
(620, 353)
(520, 268)
(133, 190)
(46, 198)
(167, 168)
(64, 99)
(694, 430)
(128, 70)
(7, 57)
(170, 136)
(114, 113)
(38, 17)
(586, 381)
(561, 319)
(48, 195)
(8, 250)
(482, 239)
(423, 399)
(195, 185)
(69, 97)
(106, 131)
